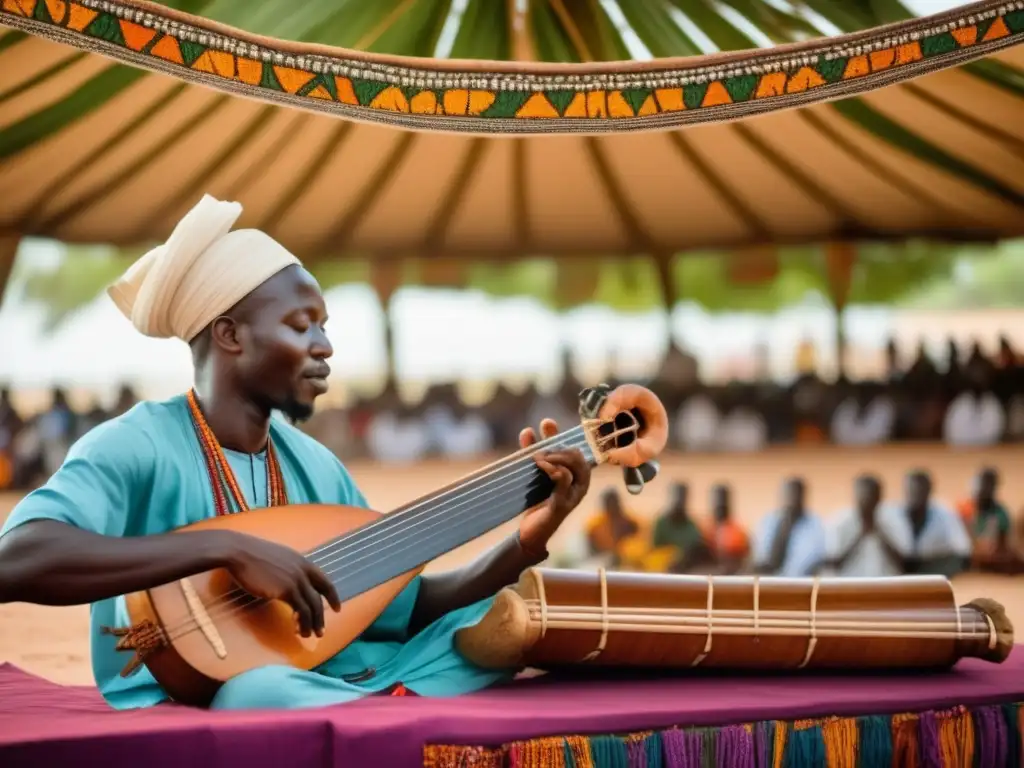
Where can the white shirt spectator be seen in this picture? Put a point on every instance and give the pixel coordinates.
(943, 534)
(807, 548)
(870, 426)
(396, 441)
(1015, 418)
(468, 437)
(551, 407)
(437, 419)
(742, 429)
(870, 557)
(697, 424)
(974, 420)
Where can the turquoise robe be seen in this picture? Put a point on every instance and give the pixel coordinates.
(143, 473)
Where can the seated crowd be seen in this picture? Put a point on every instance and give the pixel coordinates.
(915, 534)
(977, 400)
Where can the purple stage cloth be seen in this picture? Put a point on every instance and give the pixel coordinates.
(44, 724)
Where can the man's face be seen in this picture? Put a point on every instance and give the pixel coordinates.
(793, 496)
(612, 504)
(984, 487)
(680, 494)
(283, 344)
(918, 491)
(868, 496)
(720, 503)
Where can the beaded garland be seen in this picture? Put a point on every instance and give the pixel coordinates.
(223, 477)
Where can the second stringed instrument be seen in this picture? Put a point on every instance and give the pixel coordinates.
(196, 633)
(555, 619)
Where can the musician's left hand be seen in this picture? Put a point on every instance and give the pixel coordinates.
(571, 475)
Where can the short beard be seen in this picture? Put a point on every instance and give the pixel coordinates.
(296, 412)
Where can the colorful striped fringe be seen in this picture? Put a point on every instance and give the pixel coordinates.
(981, 737)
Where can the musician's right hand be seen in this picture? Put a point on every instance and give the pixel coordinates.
(275, 572)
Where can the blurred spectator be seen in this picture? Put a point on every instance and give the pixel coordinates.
(790, 541)
(562, 405)
(87, 419)
(126, 400)
(27, 448)
(892, 362)
(453, 431)
(1014, 432)
(56, 427)
(1007, 356)
(502, 412)
(939, 541)
(676, 379)
(863, 543)
(975, 416)
(678, 542)
(697, 422)
(805, 360)
(741, 428)
(922, 404)
(395, 433)
(10, 425)
(866, 416)
(810, 402)
(614, 537)
(989, 525)
(728, 543)
(971, 401)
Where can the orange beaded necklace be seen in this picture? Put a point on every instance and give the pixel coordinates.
(222, 477)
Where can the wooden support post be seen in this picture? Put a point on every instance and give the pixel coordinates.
(9, 242)
(840, 260)
(663, 263)
(386, 277)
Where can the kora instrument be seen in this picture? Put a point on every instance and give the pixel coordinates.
(561, 618)
(198, 632)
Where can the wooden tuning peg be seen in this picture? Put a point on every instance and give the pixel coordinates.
(637, 477)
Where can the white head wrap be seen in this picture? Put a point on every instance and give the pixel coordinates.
(204, 269)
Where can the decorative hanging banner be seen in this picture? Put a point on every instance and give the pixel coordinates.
(578, 280)
(386, 277)
(441, 272)
(753, 266)
(489, 97)
(840, 261)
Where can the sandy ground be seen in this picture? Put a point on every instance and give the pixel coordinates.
(53, 642)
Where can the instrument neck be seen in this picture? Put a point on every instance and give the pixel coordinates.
(428, 527)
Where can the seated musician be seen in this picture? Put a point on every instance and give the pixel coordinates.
(99, 528)
(940, 543)
(791, 540)
(677, 542)
(862, 541)
(988, 523)
(728, 543)
(615, 538)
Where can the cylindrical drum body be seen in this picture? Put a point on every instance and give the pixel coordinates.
(564, 618)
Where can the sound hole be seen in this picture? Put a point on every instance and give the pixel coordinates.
(628, 424)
